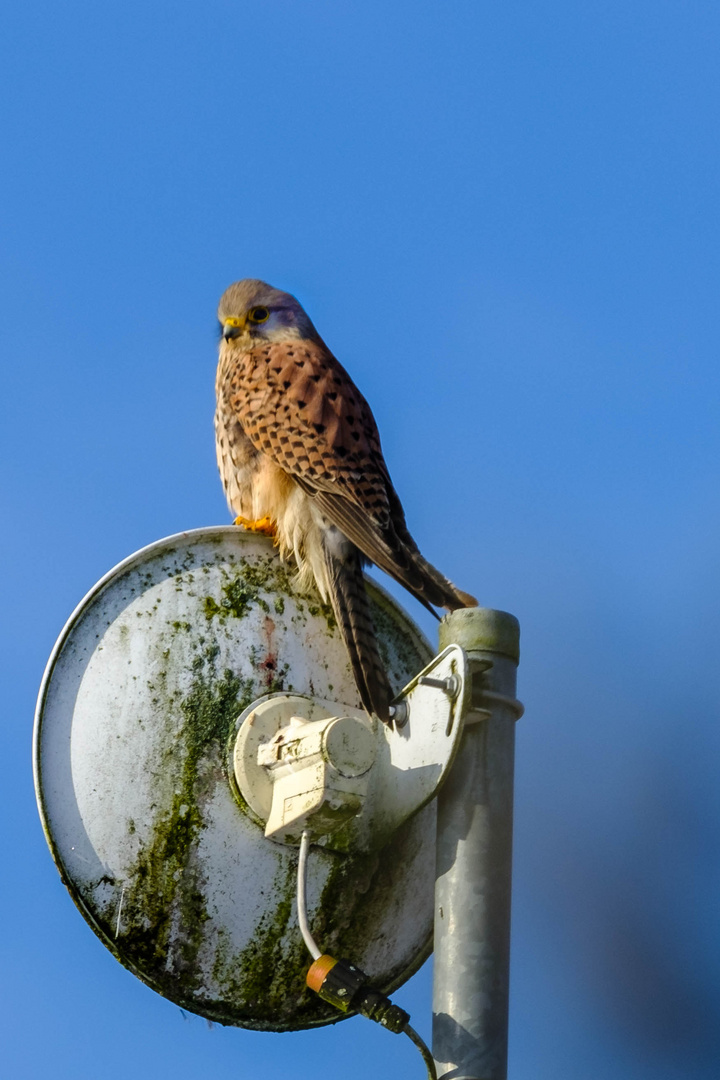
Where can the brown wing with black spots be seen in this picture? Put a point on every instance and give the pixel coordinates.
(299, 406)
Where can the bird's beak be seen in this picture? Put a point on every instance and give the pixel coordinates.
(232, 328)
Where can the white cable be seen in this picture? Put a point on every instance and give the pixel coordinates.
(316, 954)
(301, 899)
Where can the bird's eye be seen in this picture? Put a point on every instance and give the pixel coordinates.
(259, 314)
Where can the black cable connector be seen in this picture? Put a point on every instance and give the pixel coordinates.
(345, 986)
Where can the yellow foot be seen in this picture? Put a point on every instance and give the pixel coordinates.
(264, 525)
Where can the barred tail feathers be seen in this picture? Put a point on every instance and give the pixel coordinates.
(349, 600)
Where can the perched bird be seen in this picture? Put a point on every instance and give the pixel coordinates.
(300, 459)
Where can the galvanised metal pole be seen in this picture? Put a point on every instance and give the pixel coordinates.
(474, 857)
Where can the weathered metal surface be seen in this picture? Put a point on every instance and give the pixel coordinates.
(474, 858)
(134, 731)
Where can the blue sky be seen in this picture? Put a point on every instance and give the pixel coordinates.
(504, 219)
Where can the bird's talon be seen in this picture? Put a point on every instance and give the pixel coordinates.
(264, 525)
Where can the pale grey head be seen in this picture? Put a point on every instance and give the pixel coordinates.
(250, 311)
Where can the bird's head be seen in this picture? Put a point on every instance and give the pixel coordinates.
(251, 311)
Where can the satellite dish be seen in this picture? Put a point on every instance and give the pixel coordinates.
(136, 723)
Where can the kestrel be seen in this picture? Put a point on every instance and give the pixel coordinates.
(300, 458)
